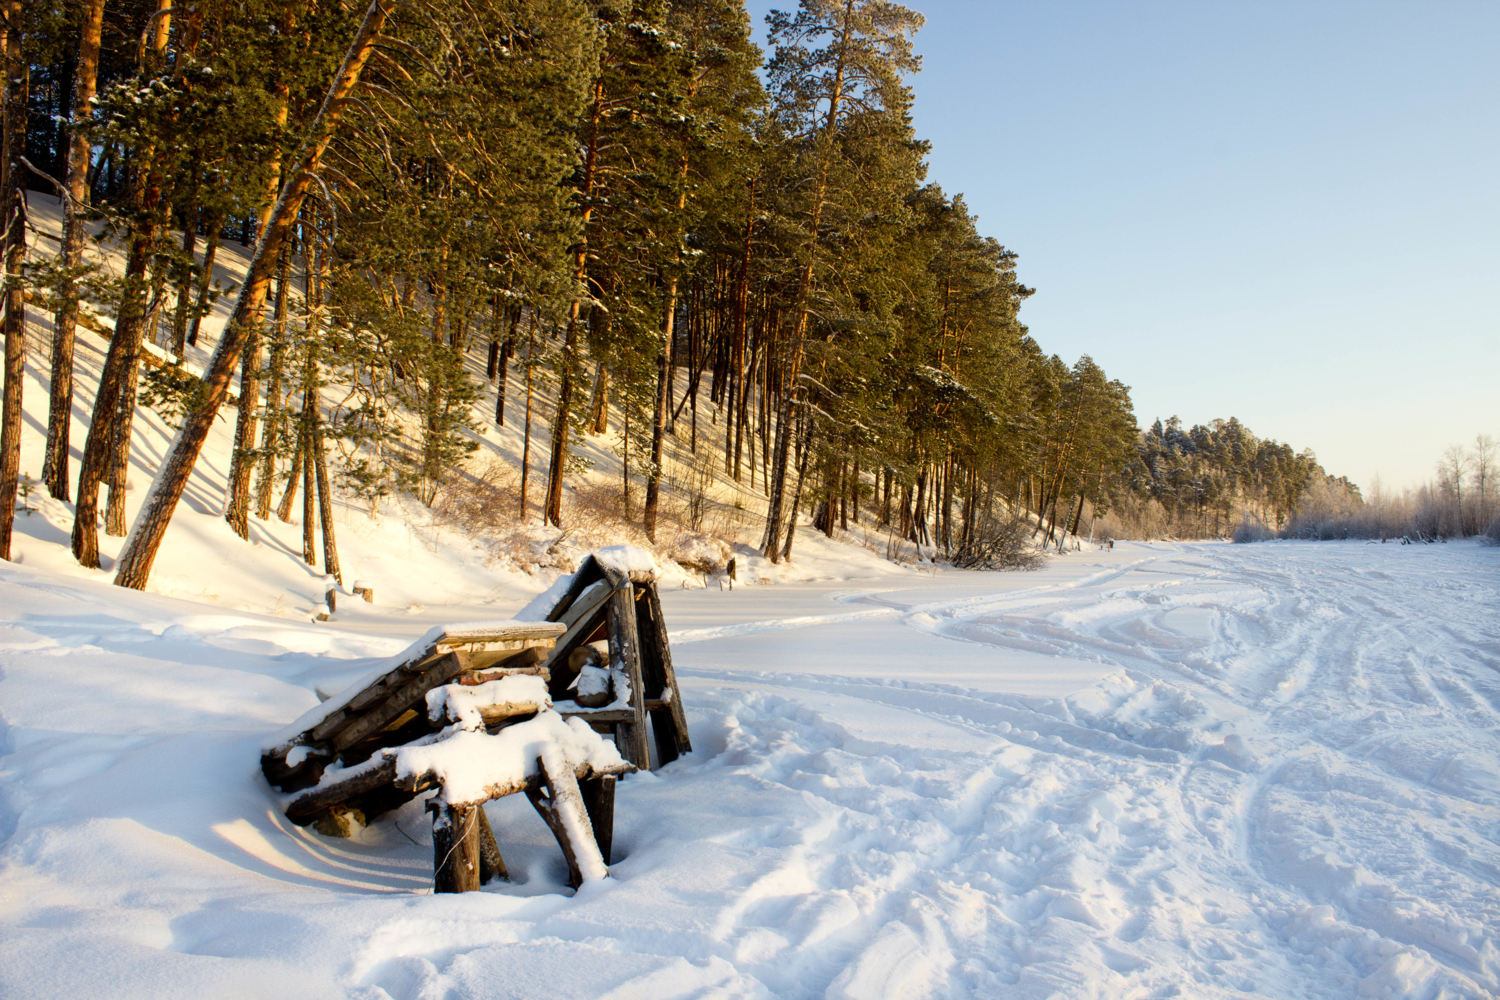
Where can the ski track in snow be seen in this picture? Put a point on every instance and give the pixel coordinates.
(1285, 783)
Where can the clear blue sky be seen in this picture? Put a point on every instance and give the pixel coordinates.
(1287, 212)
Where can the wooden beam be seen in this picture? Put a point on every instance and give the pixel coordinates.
(491, 864)
(625, 656)
(455, 847)
(599, 800)
(671, 726)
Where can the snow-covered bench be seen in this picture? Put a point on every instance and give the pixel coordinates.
(465, 710)
(612, 666)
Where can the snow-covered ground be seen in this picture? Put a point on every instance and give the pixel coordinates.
(1194, 770)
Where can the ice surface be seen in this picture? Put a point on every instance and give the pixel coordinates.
(1195, 770)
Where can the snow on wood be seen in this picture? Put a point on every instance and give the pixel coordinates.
(475, 706)
(627, 561)
(475, 767)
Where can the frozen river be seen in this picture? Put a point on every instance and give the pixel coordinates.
(1196, 770)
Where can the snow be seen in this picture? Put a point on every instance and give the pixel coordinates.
(627, 559)
(461, 703)
(469, 763)
(1202, 770)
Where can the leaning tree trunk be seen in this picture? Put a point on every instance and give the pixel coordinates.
(16, 92)
(65, 322)
(156, 514)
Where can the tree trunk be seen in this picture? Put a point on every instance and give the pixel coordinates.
(325, 497)
(16, 93)
(552, 509)
(156, 513)
(206, 279)
(270, 441)
(242, 461)
(64, 323)
(294, 477)
(309, 498)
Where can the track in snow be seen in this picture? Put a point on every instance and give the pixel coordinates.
(1187, 770)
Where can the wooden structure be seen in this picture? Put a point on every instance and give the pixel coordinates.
(441, 716)
(613, 598)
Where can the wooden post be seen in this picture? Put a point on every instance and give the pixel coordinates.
(625, 656)
(491, 864)
(331, 593)
(599, 800)
(455, 847)
(669, 723)
(566, 815)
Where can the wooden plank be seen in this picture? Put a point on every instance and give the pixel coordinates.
(408, 695)
(588, 572)
(624, 655)
(491, 864)
(675, 710)
(497, 632)
(599, 800)
(455, 847)
(381, 773)
(580, 619)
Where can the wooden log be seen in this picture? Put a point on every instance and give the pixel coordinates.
(331, 593)
(564, 812)
(599, 800)
(313, 803)
(491, 864)
(625, 656)
(477, 677)
(670, 723)
(455, 847)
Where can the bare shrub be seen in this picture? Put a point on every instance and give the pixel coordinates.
(1252, 531)
(479, 501)
(1001, 544)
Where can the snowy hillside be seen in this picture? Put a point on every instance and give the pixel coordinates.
(1193, 770)
(413, 556)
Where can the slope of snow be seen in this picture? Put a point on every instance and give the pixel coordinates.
(416, 560)
(1197, 770)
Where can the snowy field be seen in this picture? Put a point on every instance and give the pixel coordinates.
(1163, 770)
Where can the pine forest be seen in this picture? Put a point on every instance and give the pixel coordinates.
(583, 218)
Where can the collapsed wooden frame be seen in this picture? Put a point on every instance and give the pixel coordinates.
(351, 759)
(344, 759)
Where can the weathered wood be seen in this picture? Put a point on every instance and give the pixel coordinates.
(670, 722)
(406, 696)
(311, 804)
(587, 574)
(564, 811)
(476, 677)
(491, 864)
(581, 619)
(599, 800)
(455, 847)
(625, 656)
(610, 715)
